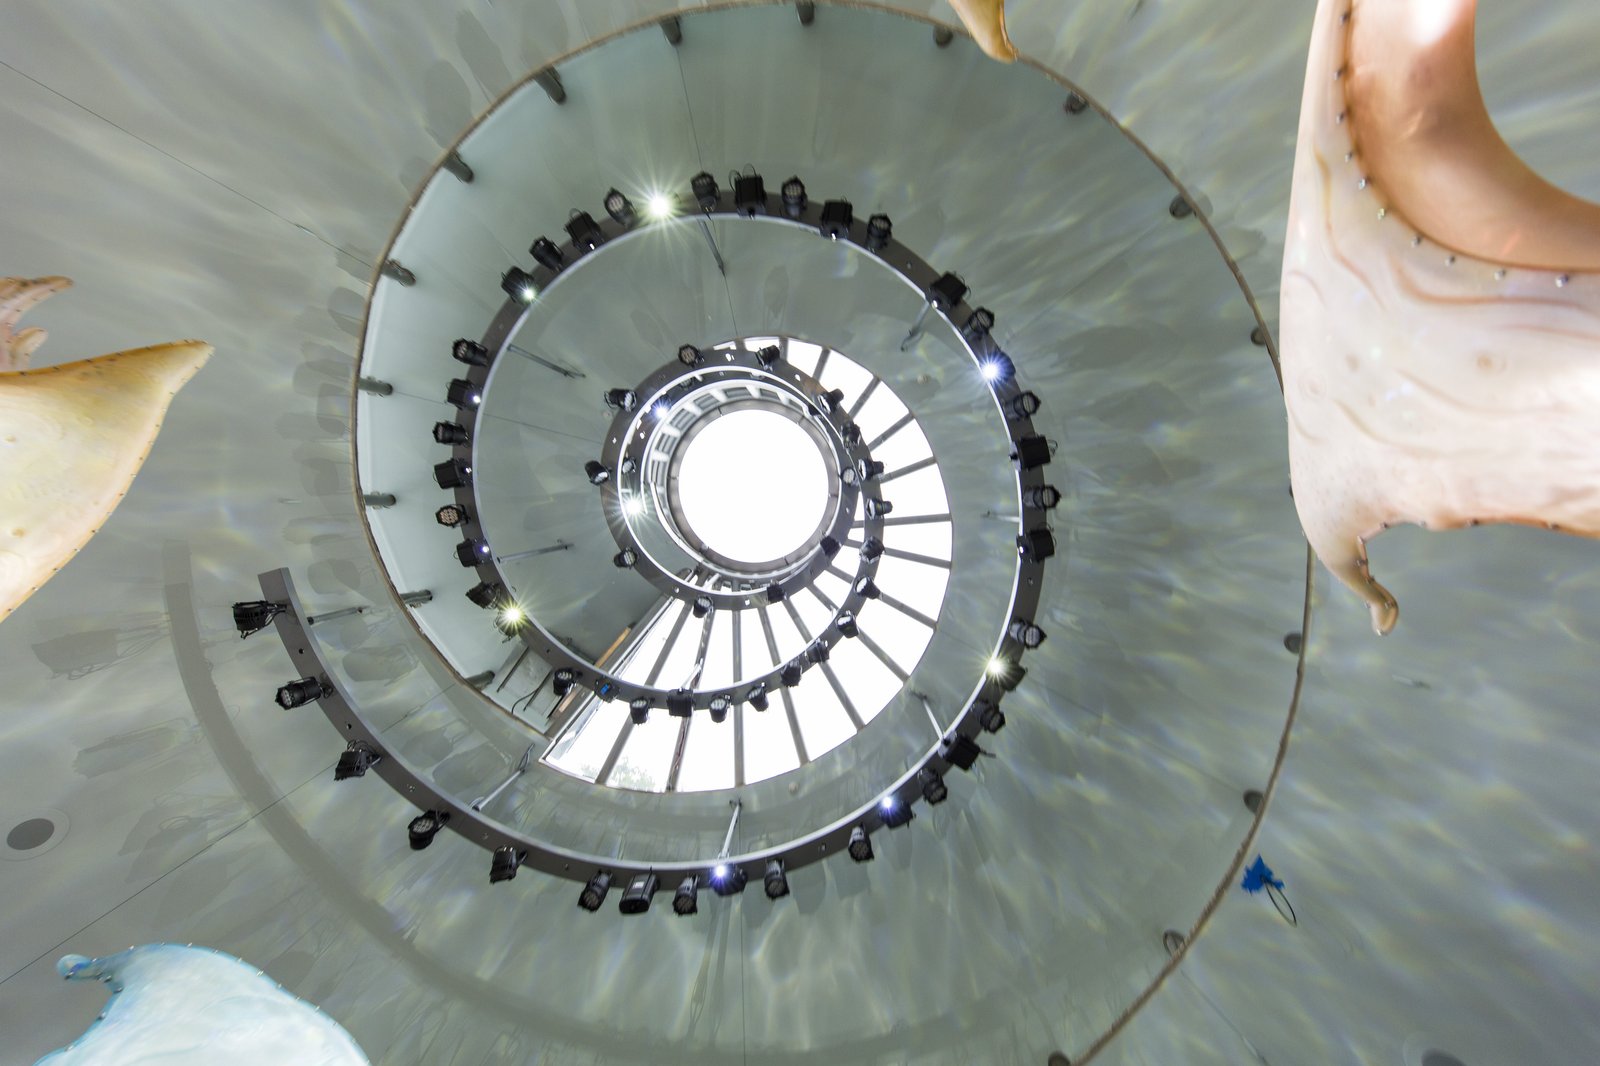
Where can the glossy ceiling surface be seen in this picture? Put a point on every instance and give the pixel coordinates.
(238, 175)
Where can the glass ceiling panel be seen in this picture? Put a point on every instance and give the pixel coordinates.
(870, 683)
(901, 637)
(933, 539)
(583, 751)
(823, 722)
(917, 493)
(917, 585)
(768, 746)
(707, 755)
(647, 754)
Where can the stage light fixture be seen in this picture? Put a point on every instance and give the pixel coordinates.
(627, 466)
(487, 594)
(791, 674)
(718, 707)
(680, 703)
(624, 400)
(620, 208)
(518, 284)
(632, 506)
(1036, 545)
(472, 551)
(562, 680)
(830, 401)
(252, 616)
(594, 893)
(817, 652)
(512, 617)
(775, 593)
(1024, 632)
(934, 790)
(836, 218)
(301, 692)
(425, 826)
(583, 231)
(451, 433)
(470, 352)
(1044, 497)
(977, 325)
(749, 195)
(636, 897)
(686, 900)
(503, 864)
(1024, 405)
(894, 811)
(768, 357)
(596, 472)
(659, 206)
(947, 292)
(757, 698)
(625, 559)
(463, 394)
(829, 546)
(847, 624)
(775, 881)
(961, 751)
(451, 515)
(1031, 452)
(547, 253)
(660, 409)
(866, 589)
(997, 368)
(355, 760)
(701, 606)
(860, 846)
(704, 189)
(794, 197)
(639, 710)
(878, 508)
(879, 229)
(871, 548)
(728, 880)
(1008, 673)
(851, 433)
(990, 716)
(869, 469)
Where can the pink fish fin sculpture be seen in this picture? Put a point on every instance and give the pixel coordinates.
(1440, 305)
(986, 21)
(177, 1005)
(72, 437)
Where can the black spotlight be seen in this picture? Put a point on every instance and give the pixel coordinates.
(1044, 497)
(847, 624)
(871, 548)
(791, 674)
(719, 707)
(425, 826)
(961, 751)
(636, 897)
(831, 401)
(775, 881)
(865, 588)
(547, 254)
(451, 515)
(1036, 544)
(625, 559)
(774, 593)
(620, 208)
(704, 188)
(584, 231)
(562, 680)
(464, 394)
(689, 355)
(1025, 405)
(1032, 452)
(977, 325)
(355, 760)
(1008, 674)
(1024, 632)
(451, 433)
(794, 197)
(869, 469)
(487, 594)
(895, 811)
(628, 466)
(728, 880)
(997, 368)
(503, 864)
(624, 400)
(947, 292)
(701, 606)
(758, 698)
(518, 284)
(252, 616)
(829, 546)
(836, 218)
(596, 472)
(851, 433)
(301, 692)
(749, 195)
(471, 552)
(680, 703)
(594, 893)
(878, 508)
(934, 790)
(879, 229)
(990, 716)
(639, 710)
(470, 352)
(817, 652)
(767, 357)
(452, 474)
(860, 846)
(686, 900)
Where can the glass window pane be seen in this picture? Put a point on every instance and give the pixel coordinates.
(871, 684)
(917, 585)
(823, 722)
(803, 355)
(768, 745)
(918, 493)
(933, 539)
(882, 410)
(647, 755)
(813, 612)
(901, 638)
(584, 749)
(842, 372)
(719, 656)
(904, 447)
(707, 755)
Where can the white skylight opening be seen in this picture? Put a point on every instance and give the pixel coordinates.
(753, 486)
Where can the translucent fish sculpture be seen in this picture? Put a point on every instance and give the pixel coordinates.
(72, 437)
(986, 21)
(189, 1006)
(1440, 306)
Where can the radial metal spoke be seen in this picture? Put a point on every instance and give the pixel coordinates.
(913, 557)
(788, 703)
(903, 421)
(910, 612)
(861, 401)
(844, 697)
(911, 468)
(883, 657)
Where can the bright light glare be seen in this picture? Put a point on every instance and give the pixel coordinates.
(527, 292)
(996, 667)
(632, 506)
(990, 370)
(477, 397)
(887, 803)
(753, 486)
(720, 871)
(658, 206)
(660, 410)
(513, 614)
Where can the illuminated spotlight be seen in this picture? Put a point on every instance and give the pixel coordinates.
(252, 616)
(639, 710)
(774, 593)
(860, 847)
(836, 218)
(1007, 673)
(686, 900)
(503, 864)
(636, 897)
(879, 230)
(718, 707)
(518, 284)
(1024, 632)
(689, 355)
(471, 552)
(866, 589)
(632, 506)
(511, 619)
(547, 253)
(869, 469)
(794, 197)
(704, 189)
(661, 409)
(453, 474)
(628, 466)
(1031, 452)
(594, 893)
(562, 680)
(851, 433)
(878, 508)
(620, 208)
(895, 812)
(847, 624)
(596, 472)
(355, 760)
(830, 401)
(301, 692)
(947, 292)
(768, 357)
(775, 881)
(749, 195)
(828, 546)
(728, 880)
(757, 698)
(997, 368)
(659, 206)
(934, 790)
(606, 691)
(680, 703)
(701, 607)
(1025, 405)
(451, 433)
(487, 594)
(961, 751)
(470, 352)
(624, 400)
(977, 325)
(451, 515)
(871, 548)
(464, 394)
(817, 652)
(625, 559)
(1036, 544)
(791, 674)
(1044, 497)
(990, 716)
(425, 826)
(583, 230)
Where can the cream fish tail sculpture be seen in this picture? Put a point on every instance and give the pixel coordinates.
(1440, 307)
(986, 21)
(72, 437)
